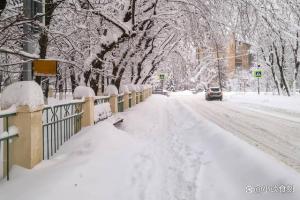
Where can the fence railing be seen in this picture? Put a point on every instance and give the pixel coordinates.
(141, 97)
(130, 100)
(101, 99)
(60, 123)
(121, 103)
(137, 97)
(5, 139)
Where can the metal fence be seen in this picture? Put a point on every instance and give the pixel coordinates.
(130, 100)
(103, 114)
(60, 123)
(141, 97)
(137, 97)
(5, 141)
(121, 103)
(101, 99)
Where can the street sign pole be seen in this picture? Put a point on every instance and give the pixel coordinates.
(27, 46)
(257, 73)
(258, 86)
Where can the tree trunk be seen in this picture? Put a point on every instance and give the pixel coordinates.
(280, 65)
(2, 5)
(74, 83)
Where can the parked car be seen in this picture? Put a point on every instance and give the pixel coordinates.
(161, 91)
(213, 93)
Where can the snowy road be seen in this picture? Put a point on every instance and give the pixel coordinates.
(273, 131)
(166, 149)
(199, 160)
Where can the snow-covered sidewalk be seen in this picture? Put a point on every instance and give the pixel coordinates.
(165, 151)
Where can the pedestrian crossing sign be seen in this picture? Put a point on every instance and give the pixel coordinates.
(162, 77)
(257, 73)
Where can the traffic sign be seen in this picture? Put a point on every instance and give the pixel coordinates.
(42, 67)
(257, 73)
(162, 77)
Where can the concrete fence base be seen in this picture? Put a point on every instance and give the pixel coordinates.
(27, 150)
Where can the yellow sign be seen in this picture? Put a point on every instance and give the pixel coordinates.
(45, 67)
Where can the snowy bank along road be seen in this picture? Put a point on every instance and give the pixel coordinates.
(164, 150)
(275, 131)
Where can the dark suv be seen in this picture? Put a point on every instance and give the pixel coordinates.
(213, 93)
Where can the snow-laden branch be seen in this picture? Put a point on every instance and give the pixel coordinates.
(19, 53)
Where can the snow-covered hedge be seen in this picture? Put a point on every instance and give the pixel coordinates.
(124, 89)
(102, 111)
(111, 90)
(83, 91)
(22, 93)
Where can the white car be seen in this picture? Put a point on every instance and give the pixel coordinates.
(213, 93)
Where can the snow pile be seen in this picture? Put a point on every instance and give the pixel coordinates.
(139, 88)
(147, 86)
(111, 90)
(265, 100)
(83, 91)
(22, 93)
(124, 89)
(102, 111)
(131, 87)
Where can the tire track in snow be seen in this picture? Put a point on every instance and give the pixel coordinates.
(278, 137)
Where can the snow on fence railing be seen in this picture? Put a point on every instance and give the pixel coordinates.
(6, 136)
(60, 123)
(101, 99)
(101, 108)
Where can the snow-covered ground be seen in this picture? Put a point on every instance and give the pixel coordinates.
(165, 150)
(266, 101)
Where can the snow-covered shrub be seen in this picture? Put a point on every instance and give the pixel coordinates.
(102, 111)
(111, 90)
(22, 93)
(83, 91)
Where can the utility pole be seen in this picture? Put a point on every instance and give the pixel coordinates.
(33, 10)
(27, 44)
(258, 86)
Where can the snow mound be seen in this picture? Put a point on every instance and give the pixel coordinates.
(102, 111)
(83, 91)
(22, 93)
(148, 86)
(124, 89)
(131, 87)
(139, 88)
(111, 90)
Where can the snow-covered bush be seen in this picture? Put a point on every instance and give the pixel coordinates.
(83, 91)
(22, 93)
(111, 90)
(102, 111)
